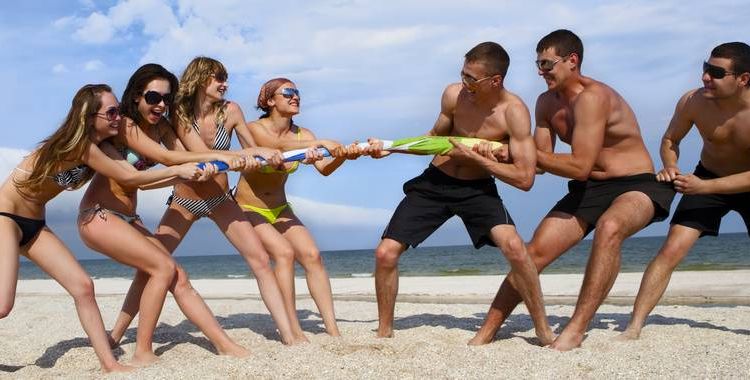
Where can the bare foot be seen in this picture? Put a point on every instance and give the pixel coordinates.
(384, 333)
(117, 367)
(144, 359)
(299, 340)
(567, 341)
(235, 350)
(480, 339)
(546, 337)
(630, 333)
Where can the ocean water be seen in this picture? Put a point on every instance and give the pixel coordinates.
(725, 252)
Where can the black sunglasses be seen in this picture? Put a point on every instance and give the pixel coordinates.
(716, 72)
(220, 77)
(153, 98)
(111, 114)
(289, 92)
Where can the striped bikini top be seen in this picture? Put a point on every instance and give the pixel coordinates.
(67, 179)
(222, 140)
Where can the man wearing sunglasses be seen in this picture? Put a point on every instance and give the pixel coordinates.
(612, 189)
(461, 183)
(721, 181)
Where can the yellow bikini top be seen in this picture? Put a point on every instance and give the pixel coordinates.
(291, 169)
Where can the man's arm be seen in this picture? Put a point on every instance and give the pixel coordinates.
(731, 184)
(590, 115)
(520, 172)
(444, 123)
(679, 126)
(544, 136)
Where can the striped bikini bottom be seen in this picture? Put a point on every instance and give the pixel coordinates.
(102, 213)
(200, 207)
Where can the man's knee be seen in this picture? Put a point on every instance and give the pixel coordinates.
(673, 251)
(610, 231)
(387, 254)
(514, 249)
(537, 256)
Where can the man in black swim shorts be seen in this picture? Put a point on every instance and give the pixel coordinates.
(721, 181)
(613, 188)
(461, 183)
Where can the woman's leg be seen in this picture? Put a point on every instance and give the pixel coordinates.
(126, 244)
(51, 255)
(230, 220)
(173, 227)
(10, 235)
(282, 253)
(308, 255)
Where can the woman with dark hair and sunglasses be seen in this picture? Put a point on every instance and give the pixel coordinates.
(263, 198)
(109, 224)
(66, 160)
(204, 120)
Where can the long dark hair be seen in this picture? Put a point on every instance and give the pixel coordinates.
(137, 83)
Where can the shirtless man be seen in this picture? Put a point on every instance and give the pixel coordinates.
(613, 187)
(721, 181)
(461, 183)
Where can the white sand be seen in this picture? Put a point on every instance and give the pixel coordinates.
(706, 336)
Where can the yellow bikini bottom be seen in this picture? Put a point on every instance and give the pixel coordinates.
(271, 214)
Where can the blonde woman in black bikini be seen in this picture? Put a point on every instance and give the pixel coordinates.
(262, 196)
(66, 160)
(109, 222)
(204, 121)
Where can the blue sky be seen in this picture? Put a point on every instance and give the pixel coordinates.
(365, 68)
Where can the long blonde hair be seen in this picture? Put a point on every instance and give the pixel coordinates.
(70, 140)
(195, 77)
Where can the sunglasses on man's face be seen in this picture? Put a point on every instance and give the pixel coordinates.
(153, 98)
(468, 80)
(547, 65)
(220, 77)
(289, 92)
(111, 114)
(715, 72)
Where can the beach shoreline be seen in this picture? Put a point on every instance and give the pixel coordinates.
(690, 335)
(686, 287)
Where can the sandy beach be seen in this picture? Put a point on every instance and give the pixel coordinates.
(700, 330)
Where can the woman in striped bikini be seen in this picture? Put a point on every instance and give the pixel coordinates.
(108, 213)
(66, 160)
(262, 196)
(204, 120)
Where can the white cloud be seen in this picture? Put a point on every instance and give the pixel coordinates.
(93, 65)
(64, 22)
(331, 214)
(59, 68)
(97, 28)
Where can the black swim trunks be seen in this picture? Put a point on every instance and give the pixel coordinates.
(589, 199)
(29, 227)
(434, 197)
(704, 211)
